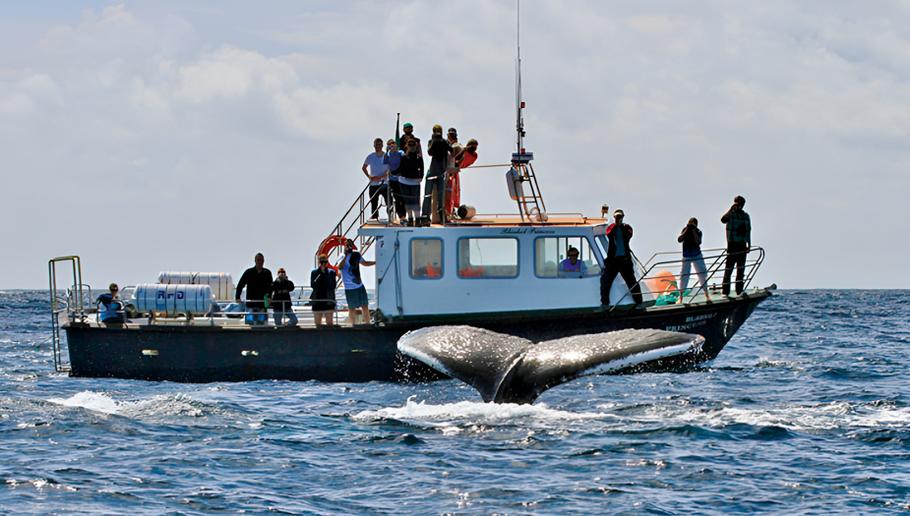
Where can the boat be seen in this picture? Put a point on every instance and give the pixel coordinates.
(497, 272)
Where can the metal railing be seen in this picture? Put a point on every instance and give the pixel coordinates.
(653, 272)
(72, 304)
(353, 219)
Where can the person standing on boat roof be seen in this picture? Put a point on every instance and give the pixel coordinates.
(469, 156)
(434, 190)
(354, 291)
(323, 281)
(409, 135)
(281, 299)
(619, 260)
(739, 241)
(410, 174)
(453, 186)
(110, 309)
(258, 283)
(691, 251)
(572, 267)
(392, 159)
(378, 174)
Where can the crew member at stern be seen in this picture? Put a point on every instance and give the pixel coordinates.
(619, 260)
(258, 283)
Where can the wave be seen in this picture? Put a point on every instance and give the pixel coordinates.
(164, 405)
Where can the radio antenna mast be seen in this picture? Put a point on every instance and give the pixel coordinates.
(523, 186)
(519, 105)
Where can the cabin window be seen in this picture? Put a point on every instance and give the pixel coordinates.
(487, 258)
(426, 258)
(552, 260)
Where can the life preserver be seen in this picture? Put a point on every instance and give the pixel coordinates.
(329, 244)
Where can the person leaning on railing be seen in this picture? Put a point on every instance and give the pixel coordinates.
(110, 310)
(690, 238)
(258, 283)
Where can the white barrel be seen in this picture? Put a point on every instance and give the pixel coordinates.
(172, 300)
(466, 212)
(221, 282)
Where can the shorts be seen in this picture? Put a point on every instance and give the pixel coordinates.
(357, 297)
(323, 306)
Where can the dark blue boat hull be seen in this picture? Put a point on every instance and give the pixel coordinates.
(362, 354)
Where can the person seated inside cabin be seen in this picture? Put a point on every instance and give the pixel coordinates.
(110, 309)
(572, 267)
(282, 306)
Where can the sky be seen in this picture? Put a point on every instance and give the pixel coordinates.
(165, 135)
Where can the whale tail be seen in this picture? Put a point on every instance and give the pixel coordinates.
(508, 369)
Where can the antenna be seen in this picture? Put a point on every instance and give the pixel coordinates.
(519, 104)
(522, 183)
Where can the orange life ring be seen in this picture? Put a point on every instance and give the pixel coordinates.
(329, 244)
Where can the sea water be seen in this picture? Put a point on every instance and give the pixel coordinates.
(804, 412)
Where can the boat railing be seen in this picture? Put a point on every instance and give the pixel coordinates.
(70, 304)
(354, 218)
(229, 313)
(659, 275)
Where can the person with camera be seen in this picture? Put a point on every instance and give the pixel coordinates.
(282, 307)
(434, 191)
(690, 238)
(619, 260)
(323, 280)
(739, 242)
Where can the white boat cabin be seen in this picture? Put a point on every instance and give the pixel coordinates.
(492, 264)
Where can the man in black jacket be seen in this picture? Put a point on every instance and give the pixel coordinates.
(434, 189)
(258, 283)
(619, 260)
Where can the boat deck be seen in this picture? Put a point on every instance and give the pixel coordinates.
(306, 318)
(483, 220)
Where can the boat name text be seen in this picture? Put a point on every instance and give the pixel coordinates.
(523, 231)
(692, 322)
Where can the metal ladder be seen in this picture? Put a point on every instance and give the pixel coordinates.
(72, 304)
(353, 218)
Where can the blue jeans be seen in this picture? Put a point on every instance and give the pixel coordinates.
(278, 314)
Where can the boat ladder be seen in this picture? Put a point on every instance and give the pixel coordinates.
(68, 306)
(354, 218)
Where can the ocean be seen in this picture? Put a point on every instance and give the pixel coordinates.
(804, 412)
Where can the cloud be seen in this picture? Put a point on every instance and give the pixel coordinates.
(199, 135)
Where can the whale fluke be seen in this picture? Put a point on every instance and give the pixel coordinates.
(508, 369)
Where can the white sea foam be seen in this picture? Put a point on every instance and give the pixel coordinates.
(797, 418)
(474, 412)
(160, 405)
(90, 400)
